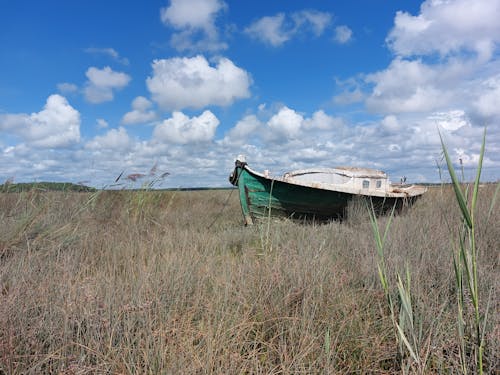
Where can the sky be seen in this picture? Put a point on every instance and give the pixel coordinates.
(169, 92)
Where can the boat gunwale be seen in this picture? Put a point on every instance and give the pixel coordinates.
(353, 172)
(398, 191)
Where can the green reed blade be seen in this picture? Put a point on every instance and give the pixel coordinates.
(407, 343)
(478, 174)
(456, 186)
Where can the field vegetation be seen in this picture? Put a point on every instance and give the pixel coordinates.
(10, 187)
(172, 282)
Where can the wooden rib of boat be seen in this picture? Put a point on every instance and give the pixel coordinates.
(316, 194)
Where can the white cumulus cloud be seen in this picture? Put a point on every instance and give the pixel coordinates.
(181, 129)
(313, 19)
(406, 86)
(448, 27)
(270, 30)
(141, 112)
(191, 13)
(195, 22)
(287, 123)
(488, 101)
(320, 120)
(179, 83)
(450, 120)
(57, 125)
(114, 139)
(280, 28)
(102, 83)
(243, 130)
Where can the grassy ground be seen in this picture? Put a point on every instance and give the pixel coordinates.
(147, 282)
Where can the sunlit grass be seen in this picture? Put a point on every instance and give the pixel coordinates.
(118, 282)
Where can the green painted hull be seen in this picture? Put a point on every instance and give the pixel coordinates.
(261, 197)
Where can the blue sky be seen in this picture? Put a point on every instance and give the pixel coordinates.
(91, 89)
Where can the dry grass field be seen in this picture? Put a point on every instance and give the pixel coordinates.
(146, 282)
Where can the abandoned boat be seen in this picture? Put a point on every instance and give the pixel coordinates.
(316, 194)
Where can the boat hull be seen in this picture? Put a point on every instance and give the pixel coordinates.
(263, 197)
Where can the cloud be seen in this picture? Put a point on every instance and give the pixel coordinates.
(268, 129)
(102, 82)
(350, 90)
(67, 88)
(443, 76)
(280, 28)
(191, 13)
(114, 139)
(390, 125)
(140, 113)
(185, 41)
(102, 124)
(451, 120)
(402, 144)
(416, 99)
(310, 155)
(243, 130)
(349, 97)
(179, 83)
(181, 129)
(270, 30)
(417, 83)
(343, 34)
(458, 93)
(57, 125)
(110, 52)
(195, 22)
(286, 123)
(488, 100)
(406, 86)
(314, 20)
(320, 120)
(447, 27)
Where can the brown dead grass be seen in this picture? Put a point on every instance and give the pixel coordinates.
(145, 282)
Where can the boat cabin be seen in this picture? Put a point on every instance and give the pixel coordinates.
(352, 177)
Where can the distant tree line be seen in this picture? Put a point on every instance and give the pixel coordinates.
(44, 186)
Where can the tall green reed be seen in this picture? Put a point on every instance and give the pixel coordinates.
(465, 259)
(465, 265)
(407, 329)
